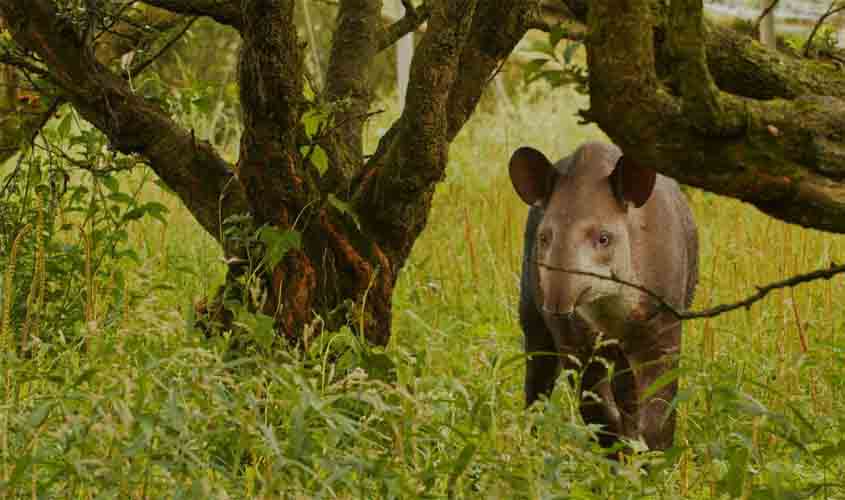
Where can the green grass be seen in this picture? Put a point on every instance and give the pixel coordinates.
(150, 409)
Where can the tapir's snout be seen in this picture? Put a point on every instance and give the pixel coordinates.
(611, 314)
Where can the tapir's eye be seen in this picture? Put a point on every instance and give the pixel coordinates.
(604, 239)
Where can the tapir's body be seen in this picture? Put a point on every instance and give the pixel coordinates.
(588, 215)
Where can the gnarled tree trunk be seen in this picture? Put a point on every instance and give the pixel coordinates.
(359, 219)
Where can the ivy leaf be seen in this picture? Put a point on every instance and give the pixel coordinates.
(278, 244)
(156, 210)
(111, 183)
(344, 208)
(319, 159)
(64, 125)
(312, 119)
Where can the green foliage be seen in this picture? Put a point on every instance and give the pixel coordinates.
(555, 62)
(147, 407)
(72, 190)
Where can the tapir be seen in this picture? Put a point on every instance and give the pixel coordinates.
(610, 254)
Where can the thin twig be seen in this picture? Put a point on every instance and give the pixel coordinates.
(831, 10)
(170, 43)
(762, 291)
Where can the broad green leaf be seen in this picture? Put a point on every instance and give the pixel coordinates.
(156, 210)
(110, 182)
(64, 125)
(312, 119)
(344, 208)
(319, 159)
(278, 244)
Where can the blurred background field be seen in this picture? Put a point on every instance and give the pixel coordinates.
(120, 397)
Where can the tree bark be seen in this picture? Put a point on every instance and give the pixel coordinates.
(358, 220)
(771, 136)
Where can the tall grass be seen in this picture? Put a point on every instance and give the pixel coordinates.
(154, 410)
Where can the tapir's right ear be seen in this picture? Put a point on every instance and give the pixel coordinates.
(632, 182)
(532, 174)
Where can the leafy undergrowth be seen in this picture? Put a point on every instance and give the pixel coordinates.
(137, 404)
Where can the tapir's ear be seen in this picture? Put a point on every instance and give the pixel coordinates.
(532, 174)
(632, 182)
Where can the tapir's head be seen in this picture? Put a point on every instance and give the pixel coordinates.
(591, 203)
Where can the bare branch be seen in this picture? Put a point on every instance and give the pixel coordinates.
(562, 17)
(140, 67)
(762, 291)
(411, 21)
(834, 8)
(657, 298)
(226, 12)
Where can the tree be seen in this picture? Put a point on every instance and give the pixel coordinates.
(351, 220)
(700, 102)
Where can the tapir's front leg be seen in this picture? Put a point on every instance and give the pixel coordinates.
(542, 364)
(655, 415)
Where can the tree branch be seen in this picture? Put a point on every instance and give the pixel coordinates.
(141, 66)
(413, 19)
(747, 302)
(192, 169)
(226, 12)
(834, 8)
(354, 46)
(745, 68)
(395, 188)
(786, 157)
(496, 29)
(701, 99)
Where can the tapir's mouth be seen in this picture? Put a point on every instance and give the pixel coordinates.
(584, 297)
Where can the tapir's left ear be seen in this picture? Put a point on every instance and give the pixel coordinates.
(632, 182)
